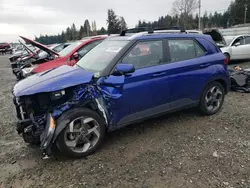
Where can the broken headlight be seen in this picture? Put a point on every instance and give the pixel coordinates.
(57, 94)
(28, 71)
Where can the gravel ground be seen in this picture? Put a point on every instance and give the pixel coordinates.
(182, 149)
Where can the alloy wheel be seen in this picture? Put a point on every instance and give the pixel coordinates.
(82, 134)
(213, 98)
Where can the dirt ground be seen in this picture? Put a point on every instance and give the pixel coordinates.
(182, 149)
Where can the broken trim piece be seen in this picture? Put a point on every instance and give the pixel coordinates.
(100, 107)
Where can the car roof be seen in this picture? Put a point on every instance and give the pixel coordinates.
(160, 35)
(236, 36)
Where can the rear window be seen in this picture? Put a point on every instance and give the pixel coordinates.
(185, 49)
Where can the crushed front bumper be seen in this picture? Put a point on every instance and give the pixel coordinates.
(38, 131)
(41, 136)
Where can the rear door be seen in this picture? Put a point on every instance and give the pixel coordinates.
(186, 71)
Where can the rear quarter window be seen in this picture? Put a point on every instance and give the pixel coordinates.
(209, 46)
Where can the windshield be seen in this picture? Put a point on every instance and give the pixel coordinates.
(99, 57)
(43, 54)
(70, 48)
(229, 39)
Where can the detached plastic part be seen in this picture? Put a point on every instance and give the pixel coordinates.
(240, 79)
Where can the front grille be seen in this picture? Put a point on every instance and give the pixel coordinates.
(20, 109)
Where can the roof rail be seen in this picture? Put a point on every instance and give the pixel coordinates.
(133, 30)
(150, 29)
(181, 28)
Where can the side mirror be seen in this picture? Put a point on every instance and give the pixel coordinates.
(237, 44)
(123, 69)
(75, 56)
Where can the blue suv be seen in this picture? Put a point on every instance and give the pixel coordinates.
(125, 79)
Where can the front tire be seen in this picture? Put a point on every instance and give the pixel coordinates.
(212, 98)
(83, 134)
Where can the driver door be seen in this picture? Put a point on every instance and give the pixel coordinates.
(145, 92)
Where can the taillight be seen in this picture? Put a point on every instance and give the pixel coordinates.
(226, 61)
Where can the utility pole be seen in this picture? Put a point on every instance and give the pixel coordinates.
(199, 15)
(245, 18)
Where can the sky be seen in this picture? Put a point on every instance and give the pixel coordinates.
(31, 18)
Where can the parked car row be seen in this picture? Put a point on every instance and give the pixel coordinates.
(52, 57)
(102, 83)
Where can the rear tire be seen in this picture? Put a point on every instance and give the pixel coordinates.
(212, 98)
(83, 135)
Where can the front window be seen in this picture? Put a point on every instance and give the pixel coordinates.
(100, 56)
(70, 48)
(145, 54)
(239, 40)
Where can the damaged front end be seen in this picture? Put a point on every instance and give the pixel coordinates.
(38, 113)
(35, 122)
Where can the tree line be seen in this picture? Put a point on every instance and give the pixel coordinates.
(183, 14)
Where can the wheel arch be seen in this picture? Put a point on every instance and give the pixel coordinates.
(63, 124)
(228, 54)
(225, 84)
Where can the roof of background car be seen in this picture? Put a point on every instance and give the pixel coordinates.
(96, 37)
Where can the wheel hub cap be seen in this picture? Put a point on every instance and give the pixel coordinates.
(213, 98)
(82, 134)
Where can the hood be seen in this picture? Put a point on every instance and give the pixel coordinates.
(50, 64)
(39, 45)
(52, 80)
(216, 36)
(27, 49)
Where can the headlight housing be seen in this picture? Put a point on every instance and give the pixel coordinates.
(28, 71)
(57, 95)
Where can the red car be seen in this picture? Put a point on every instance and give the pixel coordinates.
(5, 47)
(68, 56)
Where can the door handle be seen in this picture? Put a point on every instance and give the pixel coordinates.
(159, 74)
(205, 65)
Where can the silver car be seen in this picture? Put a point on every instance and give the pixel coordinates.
(237, 48)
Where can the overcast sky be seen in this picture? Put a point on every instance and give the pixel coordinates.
(34, 17)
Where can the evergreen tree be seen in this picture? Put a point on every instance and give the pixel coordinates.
(113, 22)
(73, 32)
(87, 29)
(122, 23)
(102, 31)
(81, 32)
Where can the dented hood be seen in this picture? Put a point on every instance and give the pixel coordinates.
(41, 46)
(52, 80)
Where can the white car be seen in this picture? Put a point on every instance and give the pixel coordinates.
(237, 48)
